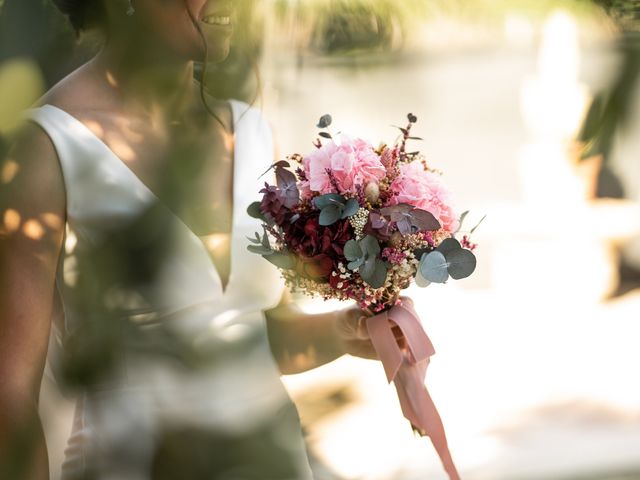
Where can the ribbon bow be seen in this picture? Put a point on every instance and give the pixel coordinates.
(406, 366)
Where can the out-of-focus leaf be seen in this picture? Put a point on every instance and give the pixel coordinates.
(254, 211)
(325, 121)
(463, 215)
(259, 249)
(477, 224)
(325, 135)
(286, 182)
(279, 163)
(281, 260)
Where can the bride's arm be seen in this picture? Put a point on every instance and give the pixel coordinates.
(300, 341)
(32, 206)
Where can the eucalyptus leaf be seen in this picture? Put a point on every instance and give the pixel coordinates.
(463, 215)
(254, 210)
(329, 215)
(279, 163)
(367, 270)
(423, 220)
(255, 240)
(281, 260)
(265, 241)
(352, 250)
(325, 135)
(350, 208)
(370, 245)
(325, 121)
(327, 199)
(477, 224)
(448, 245)
(433, 267)
(355, 263)
(379, 274)
(259, 249)
(461, 263)
(287, 184)
(421, 281)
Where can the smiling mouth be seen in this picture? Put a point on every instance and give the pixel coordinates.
(222, 20)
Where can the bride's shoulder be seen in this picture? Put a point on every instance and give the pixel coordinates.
(75, 93)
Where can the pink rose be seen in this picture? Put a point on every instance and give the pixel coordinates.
(341, 168)
(424, 190)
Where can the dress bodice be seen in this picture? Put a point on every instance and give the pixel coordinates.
(130, 261)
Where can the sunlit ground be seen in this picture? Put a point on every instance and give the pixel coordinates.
(536, 367)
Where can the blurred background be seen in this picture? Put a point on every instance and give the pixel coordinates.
(531, 110)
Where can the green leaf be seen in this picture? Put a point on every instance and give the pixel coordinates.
(325, 121)
(367, 269)
(355, 263)
(254, 210)
(255, 240)
(433, 267)
(448, 245)
(325, 135)
(370, 246)
(462, 263)
(281, 260)
(463, 215)
(352, 250)
(423, 220)
(279, 163)
(421, 281)
(375, 273)
(329, 215)
(265, 241)
(259, 249)
(322, 201)
(477, 225)
(379, 275)
(350, 208)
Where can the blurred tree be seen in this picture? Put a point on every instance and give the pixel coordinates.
(35, 29)
(610, 109)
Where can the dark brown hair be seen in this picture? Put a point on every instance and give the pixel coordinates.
(82, 13)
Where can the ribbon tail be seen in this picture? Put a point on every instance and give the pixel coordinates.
(418, 407)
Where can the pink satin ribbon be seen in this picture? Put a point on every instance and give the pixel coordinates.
(406, 366)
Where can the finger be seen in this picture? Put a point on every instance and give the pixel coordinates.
(362, 331)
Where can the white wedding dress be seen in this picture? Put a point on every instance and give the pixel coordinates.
(215, 396)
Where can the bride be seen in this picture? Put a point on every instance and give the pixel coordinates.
(122, 258)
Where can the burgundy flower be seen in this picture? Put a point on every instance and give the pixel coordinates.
(308, 238)
(273, 204)
(318, 267)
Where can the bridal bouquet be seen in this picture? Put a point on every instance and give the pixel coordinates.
(354, 222)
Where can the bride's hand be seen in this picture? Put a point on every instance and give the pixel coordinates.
(352, 334)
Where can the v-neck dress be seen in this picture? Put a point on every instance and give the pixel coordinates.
(166, 356)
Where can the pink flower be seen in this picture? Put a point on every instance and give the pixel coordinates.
(341, 168)
(424, 190)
